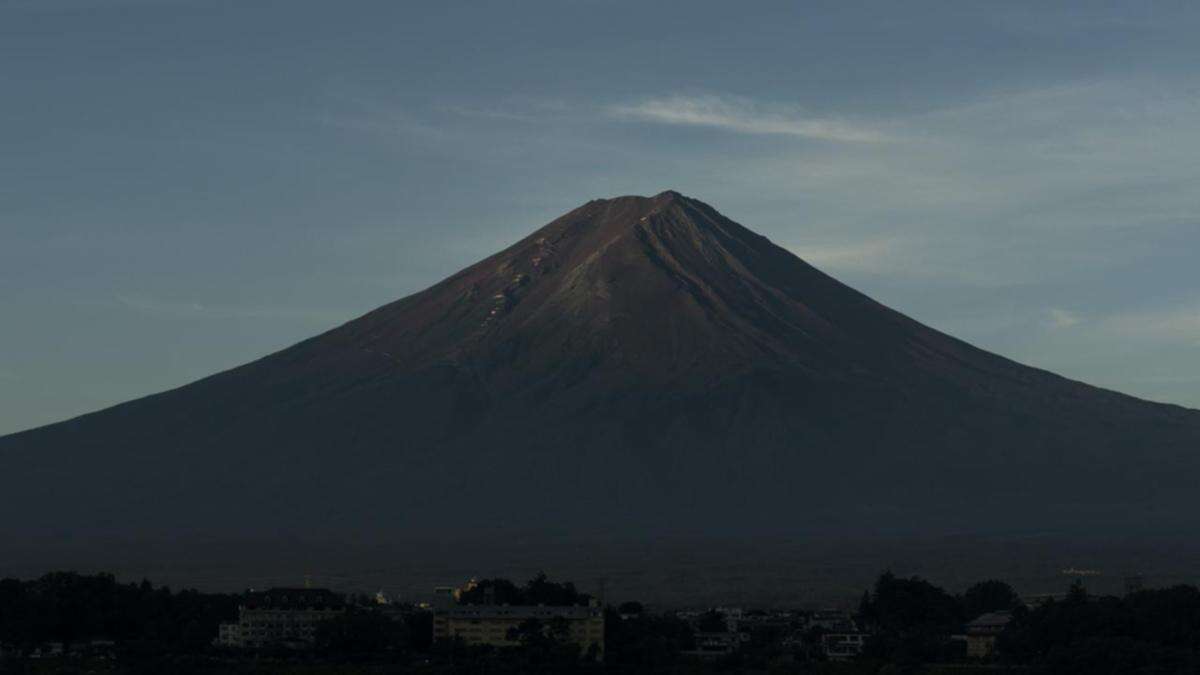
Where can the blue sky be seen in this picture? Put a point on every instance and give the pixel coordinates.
(186, 185)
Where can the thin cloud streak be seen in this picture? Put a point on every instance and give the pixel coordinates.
(1064, 318)
(1034, 185)
(868, 255)
(1179, 324)
(743, 116)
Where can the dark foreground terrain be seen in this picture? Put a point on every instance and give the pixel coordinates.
(70, 623)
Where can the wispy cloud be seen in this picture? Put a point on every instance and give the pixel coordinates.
(1063, 318)
(516, 109)
(1178, 324)
(867, 255)
(489, 113)
(1027, 186)
(367, 112)
(743, 116)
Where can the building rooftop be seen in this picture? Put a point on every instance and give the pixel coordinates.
(520, 611)
(294, 599)
(991, 620)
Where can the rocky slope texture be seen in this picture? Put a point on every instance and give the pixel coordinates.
(639, 365)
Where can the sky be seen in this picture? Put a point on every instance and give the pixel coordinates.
(187, 185)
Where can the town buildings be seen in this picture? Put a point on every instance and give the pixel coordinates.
(280, 617)
(717, 631)
(713, 644)
(843, 646)
(497, 625)
(833, 621)
(841, 637)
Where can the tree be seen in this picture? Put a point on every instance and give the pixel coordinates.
(1146, 632)
(537, 591)
(69, 607)
(712, 621)
(546, 642)
(865, 612)
(631, 607)
(360, 631)
(913, 605)
(420, 630)
(914, 619)
(989, 596)
(530, 633)
(646, 641)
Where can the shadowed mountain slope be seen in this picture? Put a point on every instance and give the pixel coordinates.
(639, 365)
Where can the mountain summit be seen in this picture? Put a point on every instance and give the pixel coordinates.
(639, 365)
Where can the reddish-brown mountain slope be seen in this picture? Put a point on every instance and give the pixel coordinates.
(639, 364)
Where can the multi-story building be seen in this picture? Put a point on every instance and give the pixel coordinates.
(843, 646)
(983, 632)
(714, 639)
(495, 625)
(833, 621)
(280, 617)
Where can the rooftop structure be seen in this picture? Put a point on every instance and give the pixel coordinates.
(280, 617)
(983, 631)
(496, 625)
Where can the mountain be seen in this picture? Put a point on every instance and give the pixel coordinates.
(638, 365)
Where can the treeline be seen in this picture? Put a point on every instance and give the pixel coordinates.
(1150, 631)
(537, 591)
(365, 631)
(70, 608)
(910, 623)
(910, 620)
(1153, 631)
